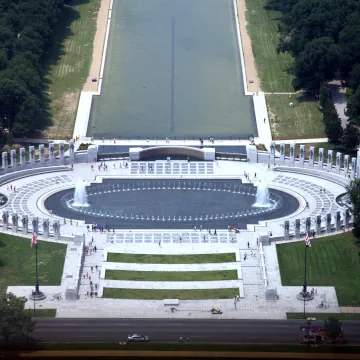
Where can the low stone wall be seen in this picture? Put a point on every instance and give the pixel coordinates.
(141, 154)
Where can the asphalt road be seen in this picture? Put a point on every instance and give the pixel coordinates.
(164, 330)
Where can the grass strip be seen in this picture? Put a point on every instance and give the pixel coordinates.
(271, 65)
(171, 275)
(42, 313)
(171, 259)
(323, 316)
(331, 261)
(158, 294)
(187, 346)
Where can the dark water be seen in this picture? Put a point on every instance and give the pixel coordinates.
(163, 203)
(172, 69)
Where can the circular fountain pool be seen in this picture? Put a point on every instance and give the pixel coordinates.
(168, 203)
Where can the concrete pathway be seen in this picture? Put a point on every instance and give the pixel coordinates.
(339, 99)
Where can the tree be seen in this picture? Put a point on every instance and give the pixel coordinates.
(316, 63)
(325, 94)
(14, 320)
(332, 123)
(332, 328)
(353, 190)
(353, 106)
(351, 137)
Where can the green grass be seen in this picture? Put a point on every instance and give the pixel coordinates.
(171, 276)
(68, 63)
(156, 346)
(43, 313)
(17, 262)
(332, 261)
(272, 67)
(171, 259)
(158, 294)
(303, 121)
(323, 316)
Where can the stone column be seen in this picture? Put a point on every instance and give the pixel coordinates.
(329, 159)
(71, 151)
(5, 217)
(272, 153)
(337, 220)
(292, 154)
(42, 154)
(338, 162)
(286, 230)
(311, 156)
(282, 154)
(321, 158)
(353, 167)
(308, 224)
(346, 165)
(35, 225)
(56, 227)
(15, 220)
(347, 218)
(302, 155)
(318, 225)
(25, 224)
(52, 153)
(5, 162)
(45, 225)
(297, 229)
(13, 160)
(22, 157)
(358, 165)
(328, 223)
(61, 153)
(32, 155)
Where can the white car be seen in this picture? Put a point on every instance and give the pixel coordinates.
(137, 338)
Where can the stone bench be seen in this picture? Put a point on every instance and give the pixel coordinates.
(174, 302)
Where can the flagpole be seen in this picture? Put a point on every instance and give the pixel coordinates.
(305, 284)
(37, 291)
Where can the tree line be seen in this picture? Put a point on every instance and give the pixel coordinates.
(323, 37)
(26, 28)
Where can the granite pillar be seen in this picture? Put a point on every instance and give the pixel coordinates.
(22, 157)
(52, 153)
(25, 224)
(42, 154)
(292, 154)
(328, 223)
(311, 156)
(329, 159)
(302, 155)
(338, 162)
(318, 225)
(282, 154)
(32, 156)
(346, 165)
(5, 161)
(286, 230)
(297, 229)
(321, 159)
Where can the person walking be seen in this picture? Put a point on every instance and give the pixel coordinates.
(201, 227)
(181, 339)
(248, 245)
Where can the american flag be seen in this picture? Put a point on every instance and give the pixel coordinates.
(33, 239)
(307, 240)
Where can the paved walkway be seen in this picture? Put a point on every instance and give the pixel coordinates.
(339, 99)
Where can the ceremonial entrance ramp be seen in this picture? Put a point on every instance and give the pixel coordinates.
(173, 69)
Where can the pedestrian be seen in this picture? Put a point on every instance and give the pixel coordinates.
(188, 339)
(215, 232)
(99, 272)
(180, 238)
(235, 302)
(195, 227)
(248, 245)
(181, 339)
(90, 283)
(96, 267)
(255, 176)
(159, 243)
(95, 248)
(209, 232)
(264, 120)
(92, 269)
(201, 227)
(87, 293)
(268, 166)
(91, 294)
(245, 256)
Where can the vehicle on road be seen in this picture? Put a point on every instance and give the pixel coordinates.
(137, 338)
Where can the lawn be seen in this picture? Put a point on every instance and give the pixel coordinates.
(332, 261)
(171, 259)
(158, 294)
(272, 67)
(326, 146)
(303, 121)
(43, 313)
(17, 262)
(68, 63)
(323, 316)
(171, 276)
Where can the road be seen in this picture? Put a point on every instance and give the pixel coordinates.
(164, 330)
